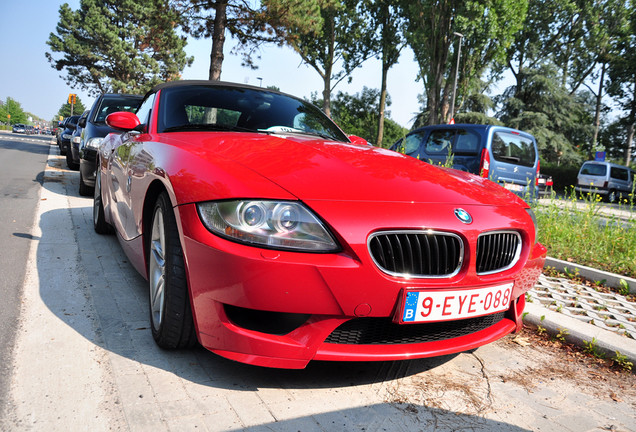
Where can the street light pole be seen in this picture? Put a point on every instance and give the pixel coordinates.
(459, 52)
(261, 80)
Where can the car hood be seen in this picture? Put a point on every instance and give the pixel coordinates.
(312, 169)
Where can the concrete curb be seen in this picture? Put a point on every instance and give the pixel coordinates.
(612, 280)
(579, 332)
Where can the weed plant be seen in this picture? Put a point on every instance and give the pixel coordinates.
(584, 232)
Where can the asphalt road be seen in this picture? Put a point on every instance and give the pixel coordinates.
(22, 164)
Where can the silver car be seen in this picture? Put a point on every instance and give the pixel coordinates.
(611, 181)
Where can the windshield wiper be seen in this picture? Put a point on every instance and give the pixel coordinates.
(206, 127)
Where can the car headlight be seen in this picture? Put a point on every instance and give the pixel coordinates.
(76, 140)
(272, 224)
(94, 143)
(536, 226)
(67, 136)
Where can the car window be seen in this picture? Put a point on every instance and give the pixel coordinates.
(412, 142)
(514, 149)
(440, 141)
(214, 107)
(110, 105)
(594, 170)
(619, 173)
(466, 142)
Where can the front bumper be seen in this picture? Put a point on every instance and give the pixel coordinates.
(87, 166)
(591, 190)
(231, 282)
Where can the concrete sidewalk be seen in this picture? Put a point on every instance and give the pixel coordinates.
(86, 361)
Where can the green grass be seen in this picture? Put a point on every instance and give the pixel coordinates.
(582, 232)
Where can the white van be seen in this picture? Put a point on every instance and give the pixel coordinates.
(608, 180)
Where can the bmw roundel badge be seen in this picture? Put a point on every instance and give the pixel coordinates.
(463, 216)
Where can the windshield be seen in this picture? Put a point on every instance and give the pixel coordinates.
(201, 107)
(110, 105)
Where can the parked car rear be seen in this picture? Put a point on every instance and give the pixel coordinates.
(506, 156)
(610, 181)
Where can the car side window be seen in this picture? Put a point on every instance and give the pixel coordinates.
(143, 112)
(467, 142)
(619, 173)
(412, 143)
(440, 141)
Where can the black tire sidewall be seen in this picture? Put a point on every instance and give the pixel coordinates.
(176, 329)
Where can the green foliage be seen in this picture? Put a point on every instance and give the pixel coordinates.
(488, 28)
(358, 115)
(78, 108)
(120, 46)
(622, 361)
(563, 176)
(344, 38)
(545, 109)
(14, 109)
(593, 349)
(584, 234)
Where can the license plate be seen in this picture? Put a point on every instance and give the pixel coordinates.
(513, 187)
(541, 181)
(431, 306)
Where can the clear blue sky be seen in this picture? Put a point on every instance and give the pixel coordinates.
(27, 76)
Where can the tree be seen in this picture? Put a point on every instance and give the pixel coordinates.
(78, 108)
(558, 119)
(488, 28)
(384, 16)
(358, 115)
(622, 75)
(118, 45)
(251, 26)
(344, 39)
(14, 109)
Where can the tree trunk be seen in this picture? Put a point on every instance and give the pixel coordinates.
(385, 72)
(326, 92)
(597, 116)
(218, 40)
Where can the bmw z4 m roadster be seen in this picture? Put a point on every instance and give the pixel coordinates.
(272, 238)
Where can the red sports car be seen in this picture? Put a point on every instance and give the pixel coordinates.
(270, 237)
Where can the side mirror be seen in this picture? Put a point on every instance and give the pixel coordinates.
(82, 122)
(358, 140)
(122, 120)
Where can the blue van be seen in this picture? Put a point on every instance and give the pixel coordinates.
(506, 156)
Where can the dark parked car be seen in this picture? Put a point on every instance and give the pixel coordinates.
(70, 124)
(544, 182)
(72, 157)
(94, 129)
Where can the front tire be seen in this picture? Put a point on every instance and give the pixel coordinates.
(170, 312)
